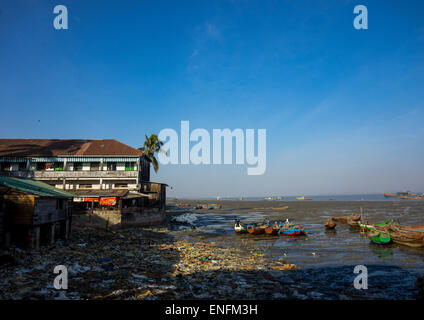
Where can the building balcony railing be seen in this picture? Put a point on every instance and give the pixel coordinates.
(70, 174)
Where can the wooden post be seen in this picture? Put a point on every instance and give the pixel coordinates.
(67, 228)
(37, 237)
(7, 239)
(30, 238)
(52, 233)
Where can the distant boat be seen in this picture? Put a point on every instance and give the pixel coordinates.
(405, 193)
(303, 198)
(274, 198)
(390, 195)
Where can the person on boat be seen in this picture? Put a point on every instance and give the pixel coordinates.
(287, 224)
(238, 223)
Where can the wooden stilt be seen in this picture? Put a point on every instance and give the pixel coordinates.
(52, 229)
(30, 239)
(67, 229)
(7, 239)
(37, 238)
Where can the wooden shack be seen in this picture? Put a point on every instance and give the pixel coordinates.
(33, 212)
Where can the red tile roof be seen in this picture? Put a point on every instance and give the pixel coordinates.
(58, 147)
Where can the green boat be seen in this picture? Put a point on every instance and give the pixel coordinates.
(369, 227)
(380, 238)
(239, 228)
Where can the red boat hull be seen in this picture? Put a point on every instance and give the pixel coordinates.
(256, 231)
(271, 231)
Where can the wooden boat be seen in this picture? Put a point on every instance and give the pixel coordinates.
(355, 217)
(303, 198)
(330, 224)
(254, 229)
(406, 236)
(280, 208)
(239, 228)
(390, 195)
(340, 219)
(398, 227)
(289, 229)
(413, 228)
(380, 237)
(272, 230)
(369, 227)
(410, 239)
(353, 223)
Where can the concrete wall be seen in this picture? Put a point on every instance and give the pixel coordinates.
(126, 218)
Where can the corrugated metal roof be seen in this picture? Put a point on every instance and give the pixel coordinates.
(63, 147)
(33, 187)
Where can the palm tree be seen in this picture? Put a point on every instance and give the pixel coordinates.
(151, 146)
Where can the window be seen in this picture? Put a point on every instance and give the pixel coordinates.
(94, 166)
(129, 166)
(58, 166)
(78, 166)
(85, 186)
(49, 166)
(111, 166)
(21, 166)
(41, 166)
(5, 166)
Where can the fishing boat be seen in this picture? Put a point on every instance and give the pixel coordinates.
(353, 224)
(398, 227)
(288, 229)
(303, 198)
(330, 224)
(413, 228)
(411, 239)
(340, 219)
(390, 195)
(369, 227)
(280, 208)
(272, 230)
(406, 235)
(355, 217)
(380, 237)
(254, 229)
(239, 228)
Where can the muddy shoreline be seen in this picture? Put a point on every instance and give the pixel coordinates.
(208, 261)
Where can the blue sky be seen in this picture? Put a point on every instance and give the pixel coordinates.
(343, 108)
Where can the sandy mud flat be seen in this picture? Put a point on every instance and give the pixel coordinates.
(197, 255)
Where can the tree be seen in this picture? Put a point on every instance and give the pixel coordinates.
(152, 145)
